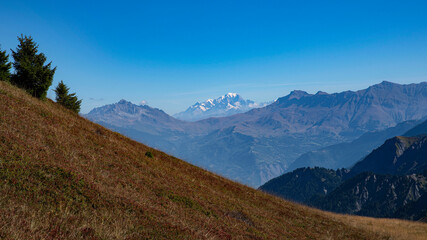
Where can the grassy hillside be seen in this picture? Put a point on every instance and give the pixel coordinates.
(63, 177)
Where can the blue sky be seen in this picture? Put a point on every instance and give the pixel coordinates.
(174, 53)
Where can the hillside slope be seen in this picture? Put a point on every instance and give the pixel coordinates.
(302, 184)
(398, 155)
(418, 130)
(344, 155)
(63, 177)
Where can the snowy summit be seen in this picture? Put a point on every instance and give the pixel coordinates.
(229, 104)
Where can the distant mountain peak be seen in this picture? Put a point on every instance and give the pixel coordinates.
(123, 101)
(231, 95)
(126, 113)
(387, 83)
(228, 104)
(384, 84)
(297, 94)
(322, 93)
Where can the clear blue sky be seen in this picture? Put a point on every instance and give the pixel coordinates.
(174, 53)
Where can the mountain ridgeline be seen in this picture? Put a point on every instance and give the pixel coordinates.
(390, 182)
(397, 156)
(347, 153)
(304, 183)
(260, 144)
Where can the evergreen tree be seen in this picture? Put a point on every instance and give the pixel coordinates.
(5, 66)
(69, 101)
(31, 73)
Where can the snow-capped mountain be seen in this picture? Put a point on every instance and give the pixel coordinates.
(226, 105)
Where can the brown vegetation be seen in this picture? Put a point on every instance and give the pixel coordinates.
(64, 177)
(396, 228)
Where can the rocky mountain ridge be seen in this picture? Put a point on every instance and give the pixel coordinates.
(371, 194)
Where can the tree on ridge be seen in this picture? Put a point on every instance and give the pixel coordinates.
(31, 73)
(67, 100)
(5, 66)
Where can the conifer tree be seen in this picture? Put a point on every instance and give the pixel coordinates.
(31, 73)
(5, 66)
(67, 100)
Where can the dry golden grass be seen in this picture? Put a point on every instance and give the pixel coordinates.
(63, 177)
(395, 228)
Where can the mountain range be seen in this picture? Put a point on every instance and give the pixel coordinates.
(260, 144)
(391, 181)
(229, 104)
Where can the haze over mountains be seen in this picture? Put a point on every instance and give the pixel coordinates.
(344, 155)
(389, 182)
(260, 144)
(229, 104)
